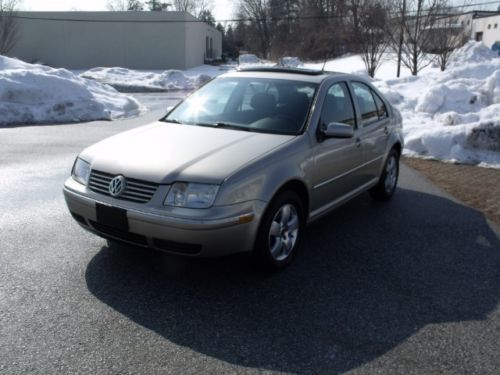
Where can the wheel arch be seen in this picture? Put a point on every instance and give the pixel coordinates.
(398, 147)
(300, 188)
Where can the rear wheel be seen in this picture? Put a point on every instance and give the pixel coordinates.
(280, 231)
(385, 188)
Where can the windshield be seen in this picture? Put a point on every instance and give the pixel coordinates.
(251, 104)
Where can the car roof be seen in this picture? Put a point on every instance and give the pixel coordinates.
(280, 72)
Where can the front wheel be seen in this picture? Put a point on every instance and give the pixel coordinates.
(386, 186)
(280, 231)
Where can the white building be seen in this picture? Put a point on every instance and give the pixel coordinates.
(135, 40)
(487, 29)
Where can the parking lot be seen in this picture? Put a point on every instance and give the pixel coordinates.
(408, 287)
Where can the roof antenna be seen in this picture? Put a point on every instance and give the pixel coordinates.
(324, 64)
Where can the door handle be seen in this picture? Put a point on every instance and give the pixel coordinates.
(358, 142)
(386, 130)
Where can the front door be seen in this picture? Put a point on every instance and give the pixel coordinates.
(337, 161)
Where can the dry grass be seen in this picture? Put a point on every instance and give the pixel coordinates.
(475, 186)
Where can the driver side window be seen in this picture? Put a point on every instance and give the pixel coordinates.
(337, 106)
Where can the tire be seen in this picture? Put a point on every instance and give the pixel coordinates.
(386, 186)
(278, 238)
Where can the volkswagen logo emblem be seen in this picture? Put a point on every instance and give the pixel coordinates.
(117, 186)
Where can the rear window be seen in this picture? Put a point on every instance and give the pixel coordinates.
(366, 103)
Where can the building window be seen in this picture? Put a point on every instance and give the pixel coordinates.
(496, 25)
(489, 26)
(468, 22)
(479, 36)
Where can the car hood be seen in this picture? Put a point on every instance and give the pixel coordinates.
(164, 152)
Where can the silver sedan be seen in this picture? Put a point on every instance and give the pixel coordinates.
(241, 165)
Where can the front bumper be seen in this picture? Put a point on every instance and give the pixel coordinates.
(209, 232)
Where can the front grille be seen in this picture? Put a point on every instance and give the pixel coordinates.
(135, 191)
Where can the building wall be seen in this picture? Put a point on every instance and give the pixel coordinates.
(490, 27)
(196, 43)
(135, 40)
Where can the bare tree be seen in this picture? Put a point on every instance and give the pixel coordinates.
(400, 31)
(448, 34)
(194, 7)
(8, 25)
(258, 12)
(417, 40)
(371, 36)
(125, 5)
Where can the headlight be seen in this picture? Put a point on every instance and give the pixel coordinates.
(81, 171)
(191, 195)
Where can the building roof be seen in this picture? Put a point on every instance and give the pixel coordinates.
(482, 13)
(112, 16)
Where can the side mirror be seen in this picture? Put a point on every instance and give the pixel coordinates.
(338, 130)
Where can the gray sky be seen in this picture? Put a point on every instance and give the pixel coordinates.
(222, 8)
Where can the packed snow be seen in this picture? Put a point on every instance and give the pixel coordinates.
(354, 64)
(452, 115)
(33, 94)
(127, 80)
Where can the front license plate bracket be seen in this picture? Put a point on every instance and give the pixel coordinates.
(113, 217)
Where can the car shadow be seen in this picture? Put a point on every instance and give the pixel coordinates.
(368, 277)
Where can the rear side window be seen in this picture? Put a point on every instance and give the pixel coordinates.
(337, 106)
(381, 108)
(366, 103)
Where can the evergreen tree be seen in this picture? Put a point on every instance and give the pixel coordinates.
(157, 6)
(207, 16)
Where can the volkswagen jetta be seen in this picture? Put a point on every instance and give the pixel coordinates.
(241, 165)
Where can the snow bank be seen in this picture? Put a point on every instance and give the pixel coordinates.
(471, 52)
(452, 115)
(354, 64)
(139, 81)
(31, 94)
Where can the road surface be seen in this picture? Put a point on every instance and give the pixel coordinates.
(407, 287)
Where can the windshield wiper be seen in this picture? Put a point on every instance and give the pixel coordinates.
(173, 121)
(226, 125)
(223, 125)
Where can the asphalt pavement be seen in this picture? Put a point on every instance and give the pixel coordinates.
(407, 287)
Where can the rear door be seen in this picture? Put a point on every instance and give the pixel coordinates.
(337, 161)
(373, 119)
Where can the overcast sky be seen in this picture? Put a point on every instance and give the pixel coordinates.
(222, 8)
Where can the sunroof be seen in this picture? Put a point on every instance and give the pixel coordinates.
(281, 69)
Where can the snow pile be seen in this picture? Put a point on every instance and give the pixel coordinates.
(452, 115)
(31, 94)
(139, 81)
(292, 62)
(471, 52)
